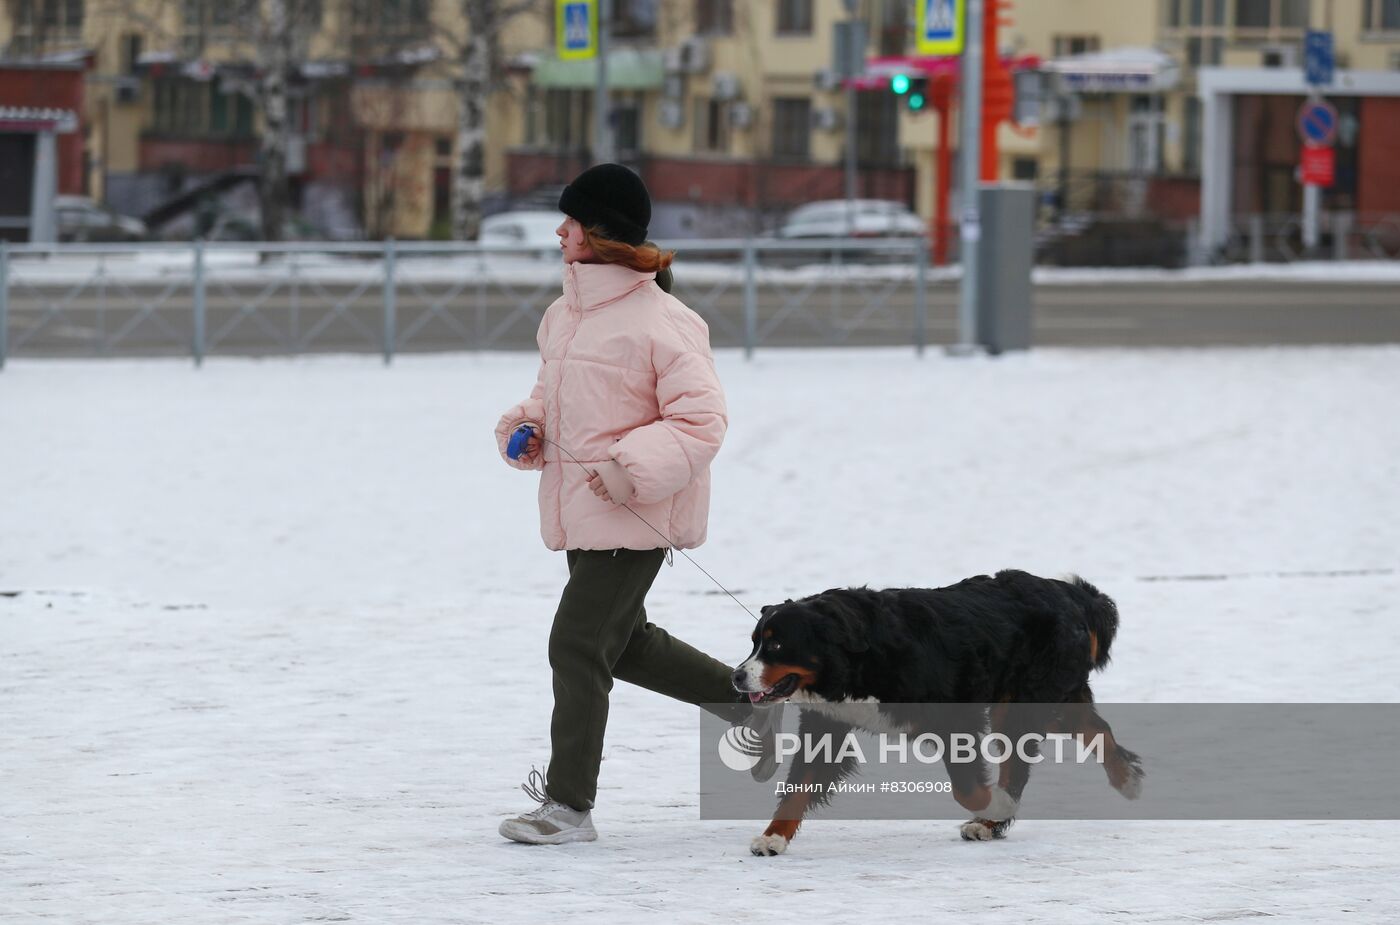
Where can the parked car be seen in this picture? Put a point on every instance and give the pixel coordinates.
(530, 230)
(862, 218)
(82, 220)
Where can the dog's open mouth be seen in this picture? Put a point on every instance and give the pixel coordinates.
(783, 688)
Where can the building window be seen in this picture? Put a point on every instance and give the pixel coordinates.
(634, 19)
(890, 23)
(877, 130)
(792, 128)
(1381, 16)
(711, 126)
(375, 23)
(1025, 168)
(627, 128)
(1205, 52)
(131, 52)
(1252, 14)
(200, 108)
(1271, 14)
(565, 119)
(306, 14)
(1191, 137)
(1068, 45)
(794, 17)
(64, 14)
(35, 21)
(714, 17)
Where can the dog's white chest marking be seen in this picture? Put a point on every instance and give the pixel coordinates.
(863, 713)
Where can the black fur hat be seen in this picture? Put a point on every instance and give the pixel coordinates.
(611, 198)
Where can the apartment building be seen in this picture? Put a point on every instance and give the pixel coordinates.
(168, 105)
(730, 109)
(1139, 144)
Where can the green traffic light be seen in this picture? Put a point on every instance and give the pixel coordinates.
(899, 83)
(916, 101)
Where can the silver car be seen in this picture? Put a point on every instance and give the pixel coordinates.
(82, 220)
(861, 218)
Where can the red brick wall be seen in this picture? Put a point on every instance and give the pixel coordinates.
(1378, 166)
(529, 170)
(55, 88)
(198, 155)
(1174, 198)
(343, 163)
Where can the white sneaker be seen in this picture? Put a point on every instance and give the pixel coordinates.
(552, 824)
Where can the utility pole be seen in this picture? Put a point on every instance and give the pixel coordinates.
(852, 9)
(602, 128)
(970, 152)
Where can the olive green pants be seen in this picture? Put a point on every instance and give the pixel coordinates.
(601, 633)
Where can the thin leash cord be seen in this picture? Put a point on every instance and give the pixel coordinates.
(669, 545)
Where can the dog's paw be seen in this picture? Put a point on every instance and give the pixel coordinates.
(766, 846)
(984, 829)
(1001, 806)
(1132, 784)
(1129, 774)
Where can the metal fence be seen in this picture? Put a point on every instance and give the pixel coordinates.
(259, 299)
(1278, 237)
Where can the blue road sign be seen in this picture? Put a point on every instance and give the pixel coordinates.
(576, 26)
(1320, 60)
(940, 27)
(1317, 122)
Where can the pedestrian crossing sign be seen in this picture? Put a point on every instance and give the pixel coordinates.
(940, 25)
(576, 29)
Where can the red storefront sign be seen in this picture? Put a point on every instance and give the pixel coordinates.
(1319, 165)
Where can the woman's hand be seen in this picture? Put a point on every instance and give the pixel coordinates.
(595, 482)
(532, 449)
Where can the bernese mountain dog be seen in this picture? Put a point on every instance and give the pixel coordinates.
(976, 646)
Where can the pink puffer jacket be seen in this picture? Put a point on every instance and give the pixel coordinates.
(627, 375)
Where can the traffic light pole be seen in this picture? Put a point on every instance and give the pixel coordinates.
(971, 155)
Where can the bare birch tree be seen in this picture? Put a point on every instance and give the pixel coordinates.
(481, 72)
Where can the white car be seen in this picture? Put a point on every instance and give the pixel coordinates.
(531, 231)
(862, 218)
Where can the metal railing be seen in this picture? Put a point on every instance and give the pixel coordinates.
(1265, 238)
(386, 297)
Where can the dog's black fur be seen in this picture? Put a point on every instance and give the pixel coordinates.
(989, 640)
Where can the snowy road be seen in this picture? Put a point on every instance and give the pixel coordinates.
(272, 634)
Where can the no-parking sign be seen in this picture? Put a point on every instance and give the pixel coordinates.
(1317, 122)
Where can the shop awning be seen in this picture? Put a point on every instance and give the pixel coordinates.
(26, 119)
(628, 69)
(878, 71)
(1117, 70)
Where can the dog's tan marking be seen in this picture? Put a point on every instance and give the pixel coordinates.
(772, 674)
(788, 818)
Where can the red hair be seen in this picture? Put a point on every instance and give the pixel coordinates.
(646, 258)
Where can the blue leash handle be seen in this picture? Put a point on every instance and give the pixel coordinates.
(518, 440)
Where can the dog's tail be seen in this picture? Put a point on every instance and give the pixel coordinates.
(1100, 617)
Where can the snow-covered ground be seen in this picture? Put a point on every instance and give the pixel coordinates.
(272, 645)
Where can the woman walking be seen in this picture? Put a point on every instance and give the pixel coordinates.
(627, 410)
